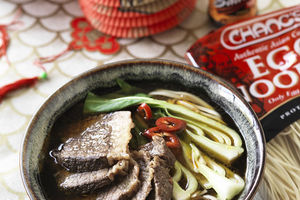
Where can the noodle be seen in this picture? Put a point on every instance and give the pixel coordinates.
(282, 170)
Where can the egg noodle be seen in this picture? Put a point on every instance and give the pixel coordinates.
(281, 178)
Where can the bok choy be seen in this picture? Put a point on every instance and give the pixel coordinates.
(180, 193)
(206, 141)
(196, 121)
(190, 101)
(226, 183)
(95, 104)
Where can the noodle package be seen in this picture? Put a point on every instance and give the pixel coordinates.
(261, 57)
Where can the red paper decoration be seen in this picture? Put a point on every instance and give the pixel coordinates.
(86, 37)
(83, 37)
(4, 40)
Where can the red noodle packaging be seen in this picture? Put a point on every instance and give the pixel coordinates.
(261, 57)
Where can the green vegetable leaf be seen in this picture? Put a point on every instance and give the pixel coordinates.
(158, 112)
(126, 88)
(94, 103)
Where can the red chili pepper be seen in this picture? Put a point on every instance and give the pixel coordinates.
(154, 131)
(145, 110)
(171, 139)
(170, 124)
(26, 82)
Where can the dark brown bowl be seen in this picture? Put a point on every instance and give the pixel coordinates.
(217, 90)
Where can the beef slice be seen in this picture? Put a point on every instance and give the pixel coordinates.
(89, 182)
(103, 143)
(123, 188)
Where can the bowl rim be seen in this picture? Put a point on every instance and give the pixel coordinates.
(24, 144)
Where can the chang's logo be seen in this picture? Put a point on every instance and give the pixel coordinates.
(260, 29)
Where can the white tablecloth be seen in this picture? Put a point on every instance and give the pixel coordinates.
(46, 31)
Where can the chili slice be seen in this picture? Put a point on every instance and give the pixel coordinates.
(170, 124)
(171, 139)
(145, 110)
(154, 131)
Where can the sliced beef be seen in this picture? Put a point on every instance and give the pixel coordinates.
(162, 181)
(98, 161)
(159, 148)
(162, 160)
(103, 142)
(88, 182)
(146, 174)
(124, 187)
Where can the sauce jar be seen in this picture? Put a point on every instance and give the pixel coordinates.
(228, 11)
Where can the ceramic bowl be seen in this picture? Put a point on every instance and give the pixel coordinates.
(216, 89)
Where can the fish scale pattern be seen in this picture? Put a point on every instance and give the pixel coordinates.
(46, 31)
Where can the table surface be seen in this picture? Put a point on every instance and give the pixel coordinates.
(46, 31)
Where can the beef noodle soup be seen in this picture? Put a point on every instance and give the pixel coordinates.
(131, 142)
